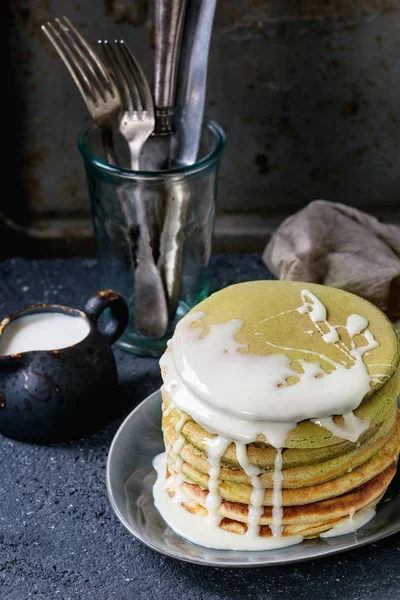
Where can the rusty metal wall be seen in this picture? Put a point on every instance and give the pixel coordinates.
(307, 91)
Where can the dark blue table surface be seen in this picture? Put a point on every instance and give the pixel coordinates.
(59, 538)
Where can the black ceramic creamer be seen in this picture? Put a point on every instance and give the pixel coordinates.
(63, 394)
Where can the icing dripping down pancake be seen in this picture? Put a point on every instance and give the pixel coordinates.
(251, 365)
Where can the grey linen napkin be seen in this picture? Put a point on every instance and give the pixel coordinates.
(341, 246)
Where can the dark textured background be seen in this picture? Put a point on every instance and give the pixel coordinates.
(59, 538)
(307, 92)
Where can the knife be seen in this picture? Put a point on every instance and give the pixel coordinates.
(169, 17)
(191, 86)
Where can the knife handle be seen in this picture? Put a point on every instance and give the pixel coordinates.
(168, 22)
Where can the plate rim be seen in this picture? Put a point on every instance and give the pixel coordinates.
(330, 550)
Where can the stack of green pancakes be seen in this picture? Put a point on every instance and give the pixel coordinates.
(326, 477)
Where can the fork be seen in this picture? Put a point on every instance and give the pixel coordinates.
(136, 124)
(99, 91)
(137, 121)
(101, 96)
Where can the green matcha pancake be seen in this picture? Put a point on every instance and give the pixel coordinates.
(280, 416)
(269, 311)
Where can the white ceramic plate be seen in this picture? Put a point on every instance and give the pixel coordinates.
(130, 477)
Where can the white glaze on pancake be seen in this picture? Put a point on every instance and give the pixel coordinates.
(238, 395)
(193, 528)
(350, 525)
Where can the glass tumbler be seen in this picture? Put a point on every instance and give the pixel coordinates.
(169, 212)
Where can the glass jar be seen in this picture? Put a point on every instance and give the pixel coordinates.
(160, 221)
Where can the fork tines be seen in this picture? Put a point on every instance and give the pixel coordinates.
(130, 78)
(81, 60)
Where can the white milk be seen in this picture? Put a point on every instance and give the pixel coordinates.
(42, 331)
